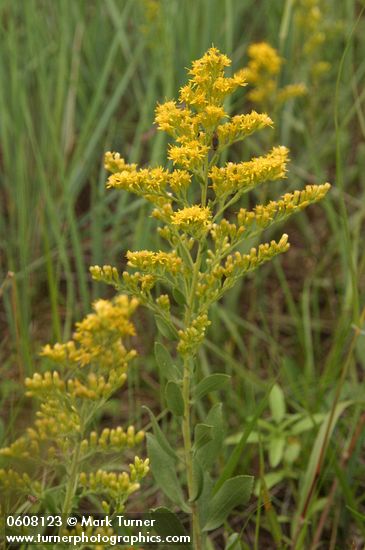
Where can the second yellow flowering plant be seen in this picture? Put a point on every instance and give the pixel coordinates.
(196, 203)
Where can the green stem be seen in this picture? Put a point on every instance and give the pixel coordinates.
(186, 424)
(197, 536)
(72, 481)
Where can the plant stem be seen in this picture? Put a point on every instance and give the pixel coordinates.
(197, 539)
(186, 424)
(72, 481)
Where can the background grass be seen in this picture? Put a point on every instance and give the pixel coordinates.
(79, 78)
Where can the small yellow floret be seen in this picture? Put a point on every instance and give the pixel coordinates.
(192, 219)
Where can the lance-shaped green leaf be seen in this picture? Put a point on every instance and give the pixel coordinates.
(208, 454)
(203, 433)
(166, 329)
(210, 383)
(165, 362)
(169, 524)
(174, 398)
(164, 471)
(160, 436)
(198, 480)
(234, 492)
(178, 296)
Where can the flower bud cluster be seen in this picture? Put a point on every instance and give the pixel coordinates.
(113, 439)
(193, 335)
(11, 483)
(118, 486)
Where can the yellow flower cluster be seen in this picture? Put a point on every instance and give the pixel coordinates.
(194, 220)
(98, 338)
(163, 301)
(208, 84)
(90, 531)
(238, 178)
(154, 184)
(93, 387)
(22, 447)
(238, 263)
(262, 73)
(194, 203)
(189, 155)
(200, 110)
(139, 284)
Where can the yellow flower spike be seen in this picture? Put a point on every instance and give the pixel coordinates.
(241, 126)
(242, 177)
(155, 262)
(149, 183)
(264, 215)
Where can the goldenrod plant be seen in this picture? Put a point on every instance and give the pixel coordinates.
(207, 250)
(61, 460)
(262, 74)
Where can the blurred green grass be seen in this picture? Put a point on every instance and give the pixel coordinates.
(80, 78)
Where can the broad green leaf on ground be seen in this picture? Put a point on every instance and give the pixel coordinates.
(277, 403)
(276, 450)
